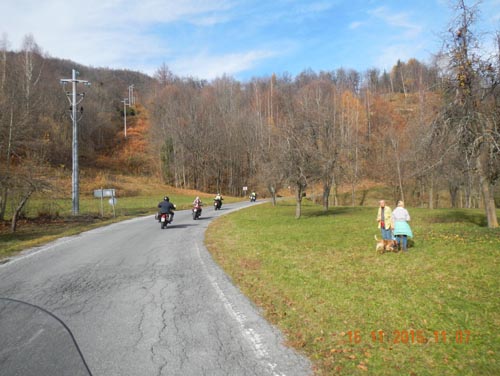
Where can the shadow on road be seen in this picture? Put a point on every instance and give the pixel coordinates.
(180, 226)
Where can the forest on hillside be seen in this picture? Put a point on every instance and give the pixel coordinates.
(420, 129)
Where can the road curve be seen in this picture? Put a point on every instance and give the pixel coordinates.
(145, 301)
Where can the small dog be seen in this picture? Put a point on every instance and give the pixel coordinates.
(386, 245)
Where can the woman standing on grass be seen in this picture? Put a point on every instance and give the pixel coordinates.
(400, 219)
(384, 220)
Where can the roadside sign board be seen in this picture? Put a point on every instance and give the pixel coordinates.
(100, 193)
(109, 192)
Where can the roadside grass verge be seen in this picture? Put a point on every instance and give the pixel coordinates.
(432, 311)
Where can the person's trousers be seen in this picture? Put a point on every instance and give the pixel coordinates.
(404, 240)
(386, 233)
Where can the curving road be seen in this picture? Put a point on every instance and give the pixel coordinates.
(144, 301)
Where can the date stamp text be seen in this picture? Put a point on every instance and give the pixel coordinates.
(410, 336)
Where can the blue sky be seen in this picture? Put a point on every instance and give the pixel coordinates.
(240, 38)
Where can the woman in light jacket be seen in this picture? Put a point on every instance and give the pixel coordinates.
(384, 220)
(402, 230)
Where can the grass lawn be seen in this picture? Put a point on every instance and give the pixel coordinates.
(432, 311)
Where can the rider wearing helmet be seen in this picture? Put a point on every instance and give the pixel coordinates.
(218, 200)
(166, 207)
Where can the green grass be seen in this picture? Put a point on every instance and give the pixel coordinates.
(320, 280)
(90, 206)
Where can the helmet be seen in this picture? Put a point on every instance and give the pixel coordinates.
(166, 198)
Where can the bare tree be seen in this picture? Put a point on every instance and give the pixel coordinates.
(26, 182)
(18, 110)
(298, 142)
(472, 103)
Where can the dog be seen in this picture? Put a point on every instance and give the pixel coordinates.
(383, 245)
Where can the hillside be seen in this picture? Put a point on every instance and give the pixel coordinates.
(336, 130)
(131, 154)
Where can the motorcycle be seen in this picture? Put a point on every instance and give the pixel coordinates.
(253, 198)
(196, 211)
(165, 219)
(217, 204)
(34, 341)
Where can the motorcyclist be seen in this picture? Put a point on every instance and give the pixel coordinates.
(197, 207)
(253, 196)
(166, 207)
(218, 198)
(197, 201)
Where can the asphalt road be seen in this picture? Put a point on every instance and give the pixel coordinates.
(140, 301)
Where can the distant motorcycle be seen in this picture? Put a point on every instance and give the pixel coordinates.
(253, 198)
(196, 211)
(217, 204)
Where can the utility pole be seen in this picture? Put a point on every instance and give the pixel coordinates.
(72, 95)
(125, 102)
(131, 99)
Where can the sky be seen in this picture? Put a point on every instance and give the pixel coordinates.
(206, 39)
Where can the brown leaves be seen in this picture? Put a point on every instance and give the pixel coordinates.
(362, 366)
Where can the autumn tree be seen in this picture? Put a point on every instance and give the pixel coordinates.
(352, 128)
(471, 103)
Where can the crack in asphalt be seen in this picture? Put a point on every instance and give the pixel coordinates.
(160, 307)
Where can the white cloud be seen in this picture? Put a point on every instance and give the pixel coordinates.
(355, 25)
(247, 35)
(399, 20)
(209, 66)
(315, 7)
(389, 55)
(112, 33)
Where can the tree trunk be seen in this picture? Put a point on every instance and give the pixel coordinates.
(3, 202)
(422, 193)
(5, 191)
(489, 204)
(398, 169)
(335, 195)
(487, 189)
(400, 178)
(273, 194)
(326, 195)
(468, 191)
(489, 201)
(454, 195)
(353, 194)
(364, 194)
(431, 192)
(298, 198)
(20, 207)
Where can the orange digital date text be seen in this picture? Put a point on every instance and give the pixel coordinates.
(411, 336)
